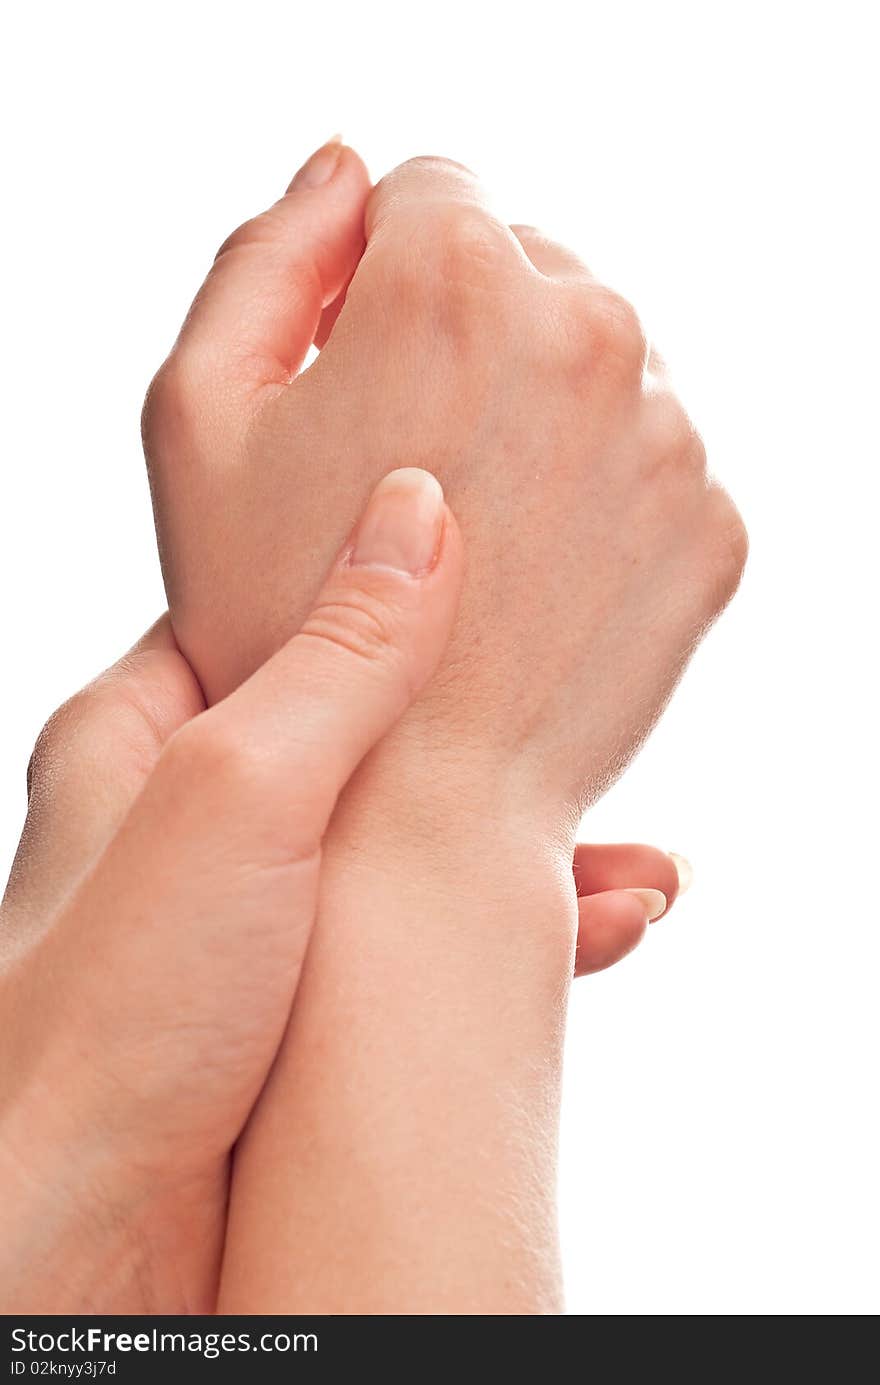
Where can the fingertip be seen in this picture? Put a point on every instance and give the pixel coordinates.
(401, 529)
(333, 162)
(159, 680)
(659, 872)
(684, 870)
(354, 166)
(599, 866)
(407, 555)
(654, 902)
(610, 925)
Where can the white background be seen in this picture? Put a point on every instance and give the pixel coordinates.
(717, 163)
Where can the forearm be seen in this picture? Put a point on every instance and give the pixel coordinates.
(402, 1157)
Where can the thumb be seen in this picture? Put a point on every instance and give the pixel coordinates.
(182, 950)
(307, 718)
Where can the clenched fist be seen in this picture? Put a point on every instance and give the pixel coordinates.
(598, 548)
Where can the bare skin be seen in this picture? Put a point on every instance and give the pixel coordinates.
(133, 1043)
(168, 878)
(598, 552)
(158, 913)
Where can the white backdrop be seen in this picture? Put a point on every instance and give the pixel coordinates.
(719, 165)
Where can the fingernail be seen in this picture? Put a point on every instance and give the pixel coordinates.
(402, 523)
(684, 870)
(653, 900)
(319, 169)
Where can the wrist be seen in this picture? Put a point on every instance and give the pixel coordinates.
(486, 877)
(457, 807)
(424, 1060)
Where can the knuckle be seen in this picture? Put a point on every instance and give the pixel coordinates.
(454, 248)
(270, 235)
(357, 624)
(614, 331)
(691, 450)
(44, 756)
(676, 440)
(61, 739)
(171, 407)
(448, 270)
(429, 173)
(433, 164)
(733, 546)
(208, 756)
(216, 771)
(725, 548)
(114, 719)
(266, 229)
(468, 243)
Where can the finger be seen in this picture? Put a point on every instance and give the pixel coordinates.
(213, 876)
(369, 645)
(610, 925)
(549, 257)
(625, 865)
(90, 761)
(260, 307)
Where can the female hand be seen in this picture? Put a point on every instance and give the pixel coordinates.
(599, 550)
(158, 913)
(152, 934)
(598, 553)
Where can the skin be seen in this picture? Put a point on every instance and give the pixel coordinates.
(161, 839)
(157, 916)
(129, 1069)
(598, 553)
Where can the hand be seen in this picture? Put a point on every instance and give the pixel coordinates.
(598, 553)
(158, 912)
(598, 549)
(88, 1247)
